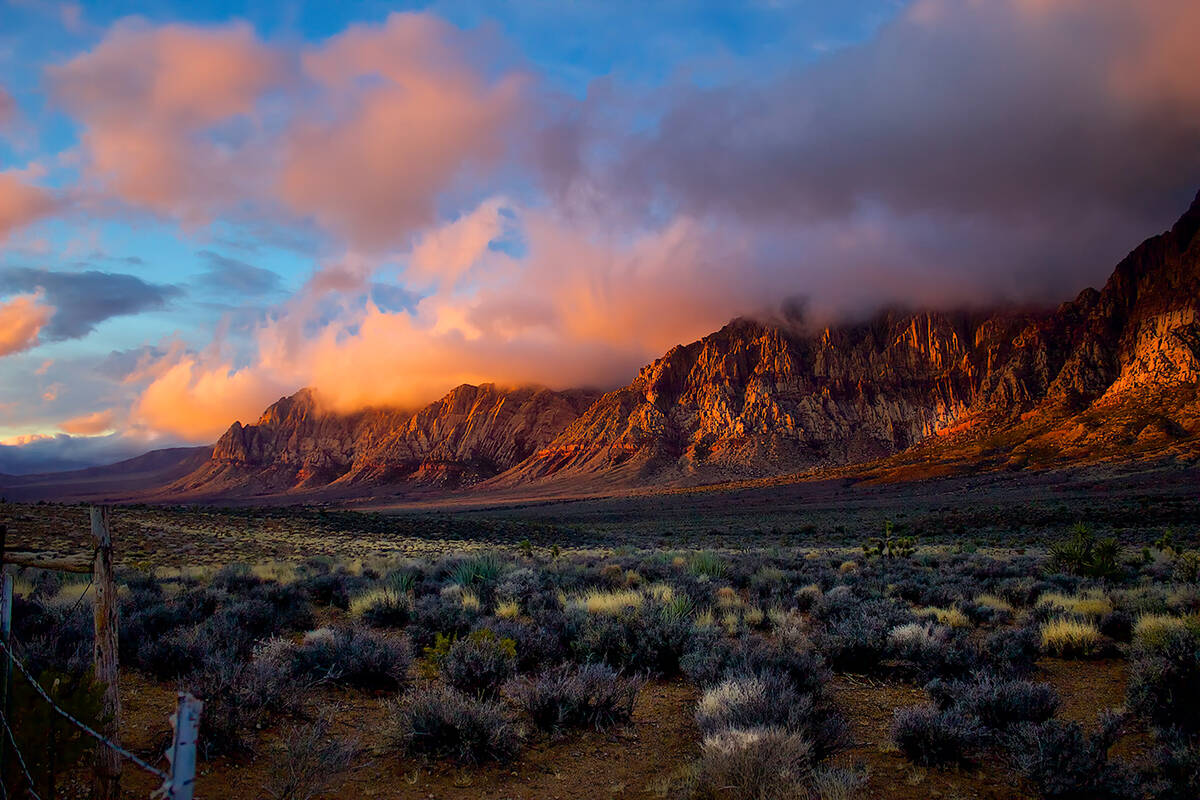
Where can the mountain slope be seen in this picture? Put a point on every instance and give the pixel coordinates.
(120, 480)
(1113, 371)
(472, 433)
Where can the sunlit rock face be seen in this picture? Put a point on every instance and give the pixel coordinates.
(472, 433)
(754, 399)
(1114, 371)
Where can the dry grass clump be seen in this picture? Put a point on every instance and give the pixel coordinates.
(994, 601)
(1092, 604)
(1152, 629)
(951, 617)
(382, 595)
(599, 601)
(508, 609)
(1069, 638)
(278, 571)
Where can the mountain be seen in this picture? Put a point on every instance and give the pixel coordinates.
(473, 433)
(1111, 374)
(123, 479)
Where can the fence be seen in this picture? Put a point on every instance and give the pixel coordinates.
(178, 779)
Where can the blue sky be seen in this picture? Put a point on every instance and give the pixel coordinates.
(206, 205)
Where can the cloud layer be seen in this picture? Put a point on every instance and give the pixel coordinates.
(471, 223)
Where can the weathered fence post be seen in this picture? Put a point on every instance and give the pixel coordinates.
(6, 600)
(182, 755)
(106, 784)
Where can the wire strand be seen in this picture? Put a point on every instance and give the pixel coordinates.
(20, 758)
(83, 727)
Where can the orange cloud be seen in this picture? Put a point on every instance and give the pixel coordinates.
(150, 100)
(198, 400)
(404, 112)
(89, 424)
(21, 203)
(21, 320)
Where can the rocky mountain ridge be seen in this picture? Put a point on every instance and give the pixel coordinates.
(1114, 370)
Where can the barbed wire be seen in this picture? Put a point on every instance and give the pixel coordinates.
(20, 759)
(82, 726)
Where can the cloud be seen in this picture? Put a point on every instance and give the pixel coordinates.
(361, 133)
(8, 108)
(984, 138)
(36, 453)
(85, 299)
(197, 399)
(403, 112)
(21, 202)
(233, 275)
(168, 114)
(89, 424)
(22, 319)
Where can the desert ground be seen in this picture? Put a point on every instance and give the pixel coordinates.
(1007, 635)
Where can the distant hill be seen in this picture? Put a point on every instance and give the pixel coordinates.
(123, 480)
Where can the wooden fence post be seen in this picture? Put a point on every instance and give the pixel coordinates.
(106, 784)
(6, 599)
(182, 755)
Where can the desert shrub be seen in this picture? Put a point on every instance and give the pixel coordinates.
(930, 736)
(1061, 762)
(1068, 638)
(382, 607)
(951, 617)
(854, 643)
(479, 663)
(590, 695)
(539, 643)
(50, 743)
(443, 722)
(354, 657)
(759, 764)
(1174, 770)
(308, 762)
(438, 613)
(1013, 650)
(998, 703)
(332, 589)
(238, 697)
(236, 579)
(57, 639)
(1164, 679)
(649, 638)
(1083, 554)
(769, 699)
(1117, 625)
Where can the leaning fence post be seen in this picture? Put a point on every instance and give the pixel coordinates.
(106, 782)
(182, 755)
(6, 599)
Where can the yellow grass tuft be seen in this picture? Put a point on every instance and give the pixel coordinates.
(1092, 604)
(994, 601)
(946, 616)
(379, 596)
(1151, 630)
(1070, 638)
(598, 601)
(508, 609)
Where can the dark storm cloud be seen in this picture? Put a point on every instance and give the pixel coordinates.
(231, 274)
(82, 300)
(1016, 142)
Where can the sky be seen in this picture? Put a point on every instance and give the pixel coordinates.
(206, 206)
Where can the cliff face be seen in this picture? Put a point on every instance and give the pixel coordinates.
(1112, 369)
(1113, 372)
(472, 433)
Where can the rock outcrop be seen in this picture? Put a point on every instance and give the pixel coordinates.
(472, 433)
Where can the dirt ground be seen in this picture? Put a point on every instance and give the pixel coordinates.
(632, 761)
